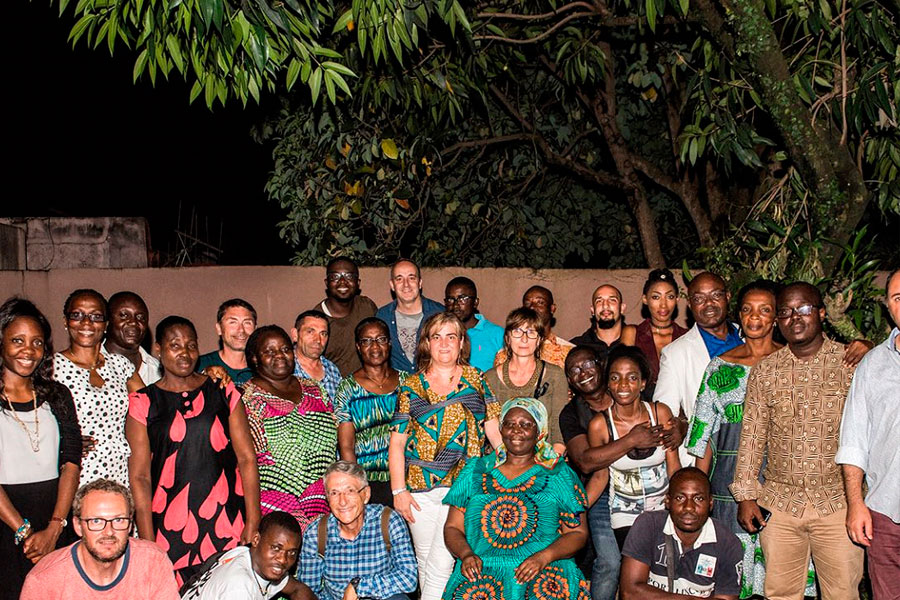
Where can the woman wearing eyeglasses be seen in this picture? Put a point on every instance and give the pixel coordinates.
(525, 375)
(365, 403)
(100, 385)
(40, 446)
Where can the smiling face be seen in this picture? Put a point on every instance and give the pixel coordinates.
(800, 329)
(342, 281)
(128, 322)
(709, 300)
(405, 281)
(235, 327)
(757, 314)
(445, 345)
(311, 336)
(178, 350)
(347, 497)
(274, 356)
(689, 503)
(374, 344)
(273, 554)
(583, 372)
(625, 381)
(82, 330)
(661, 300)
(606, 306)
(23, 347)
(519, 432)
(108, 544)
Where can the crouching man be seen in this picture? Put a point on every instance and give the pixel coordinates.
(360, 550)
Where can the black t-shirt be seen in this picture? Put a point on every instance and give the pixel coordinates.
(574, 419)
(713, 566)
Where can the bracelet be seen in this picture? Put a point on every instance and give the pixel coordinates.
(23, 531)
(398, 492)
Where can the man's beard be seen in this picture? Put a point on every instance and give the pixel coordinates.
(106, 559)
(605, 323)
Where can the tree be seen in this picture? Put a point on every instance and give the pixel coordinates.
(447, 128)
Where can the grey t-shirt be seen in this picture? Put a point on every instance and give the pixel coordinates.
(408, 332)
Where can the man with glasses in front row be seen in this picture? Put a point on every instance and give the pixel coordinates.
(106, 563)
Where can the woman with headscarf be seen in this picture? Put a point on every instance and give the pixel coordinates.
(517, 517)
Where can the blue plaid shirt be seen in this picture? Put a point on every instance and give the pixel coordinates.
(332, 376)
(381, 574)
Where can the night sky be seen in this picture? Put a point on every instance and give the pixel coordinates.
(83, 140)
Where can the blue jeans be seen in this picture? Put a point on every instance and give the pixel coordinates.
(605, 573)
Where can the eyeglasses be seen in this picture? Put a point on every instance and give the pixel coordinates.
(577, 370)
(381, 340)
(77, 315)
(714, 296)
(99, 523)
(338, 276)
(786, 312)
(461, 299)
(523, 425)
(518, 332)
(335, 494)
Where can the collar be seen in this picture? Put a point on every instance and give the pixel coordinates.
(90, 583)
(481, 321)
(892, 340)
(369, 515)
(707, 534)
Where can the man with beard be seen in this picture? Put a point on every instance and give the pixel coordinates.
(107, 563)
(683, 362)
(310, 337)
(681, 551)
(345, 308)
(554, 349)
(608, 328)
(235, 321)
(129, 320)
(792, 418)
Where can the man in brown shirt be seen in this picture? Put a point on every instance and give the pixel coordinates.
(792, 414)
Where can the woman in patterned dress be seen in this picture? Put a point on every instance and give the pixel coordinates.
(100, 385)
(193, 469)
(365, 403)
(517, 517)
(445, 413)
(293, 427)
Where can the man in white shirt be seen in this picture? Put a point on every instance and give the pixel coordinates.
(129, 320)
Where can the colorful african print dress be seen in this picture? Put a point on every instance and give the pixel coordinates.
(371, 415)
(506, 521)
(444, 431)
(294, 444)
(718, 415)
(198, 500)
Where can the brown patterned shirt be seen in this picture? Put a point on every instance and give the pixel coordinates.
(793, 408)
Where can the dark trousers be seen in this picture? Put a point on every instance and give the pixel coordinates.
(884, 558)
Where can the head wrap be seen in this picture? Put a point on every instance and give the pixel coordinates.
(544, 454)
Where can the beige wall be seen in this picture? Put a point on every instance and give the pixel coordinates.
(279, 293)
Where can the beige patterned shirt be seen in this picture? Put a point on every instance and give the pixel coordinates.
(793, 408)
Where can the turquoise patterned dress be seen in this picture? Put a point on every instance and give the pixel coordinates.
(506, 521)
(718, 415)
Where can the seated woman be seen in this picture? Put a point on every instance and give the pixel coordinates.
(365, 403)
(517, 517)
(293, 427)
(639, 478)
(193, 470)
(524, 374)
(40, 446)
(659, 329)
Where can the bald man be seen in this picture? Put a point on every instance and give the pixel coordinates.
(608, 328)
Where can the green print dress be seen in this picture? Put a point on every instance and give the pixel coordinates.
(506, 521)
(717, 420)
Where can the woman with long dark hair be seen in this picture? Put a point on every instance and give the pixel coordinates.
(40, 445)
(658, 329)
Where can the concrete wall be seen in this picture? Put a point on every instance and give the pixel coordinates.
(280, 293)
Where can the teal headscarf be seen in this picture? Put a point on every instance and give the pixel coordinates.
(544, 454)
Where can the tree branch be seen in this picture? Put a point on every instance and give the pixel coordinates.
(537, 38)
(539, 17)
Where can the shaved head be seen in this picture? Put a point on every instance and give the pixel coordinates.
(704, 277)
(688, 474)
(605, 287)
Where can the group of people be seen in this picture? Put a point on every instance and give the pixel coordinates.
(376, 453)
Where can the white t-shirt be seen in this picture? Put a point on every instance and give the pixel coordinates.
(233, 578)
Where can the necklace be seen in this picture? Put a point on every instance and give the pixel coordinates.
(660, 328)
(35, 439)
(98, 363)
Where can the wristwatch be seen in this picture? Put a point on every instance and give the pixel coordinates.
(355, 583)
(62, 521)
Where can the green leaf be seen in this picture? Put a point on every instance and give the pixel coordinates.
(195, 91)
(315, 84)
(338, 67)
(389, 148)
(293, 72)
(329, 86)
(139, 65)
(175, 52)
(685, 5)
(339, 80)
(650, 7)
(343, 21)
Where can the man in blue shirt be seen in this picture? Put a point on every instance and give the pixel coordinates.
(310, 336)
(406, 313)
(486, 339)
(355, 551)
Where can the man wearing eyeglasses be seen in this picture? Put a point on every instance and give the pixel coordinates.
(406, 313)
(310, 336)
(485, 338)
(792, 416)
(345, 308)
(683, 362)
(360, 550)
(106, 563)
